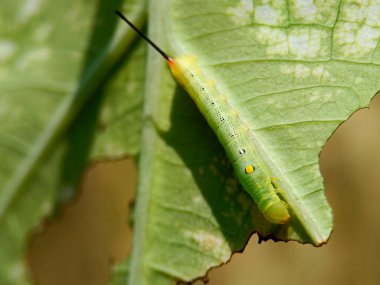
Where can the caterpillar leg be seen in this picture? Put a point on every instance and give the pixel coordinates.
(280, 191)
(274, 181)
(277, 212)
(277, 189)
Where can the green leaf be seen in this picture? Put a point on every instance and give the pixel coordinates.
(51, 68)
(294, 72)
(121, 117)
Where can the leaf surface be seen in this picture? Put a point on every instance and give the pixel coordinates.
(50, 69)
(293, 73)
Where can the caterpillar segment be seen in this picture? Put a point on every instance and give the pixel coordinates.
(234, 137)
(232, 133)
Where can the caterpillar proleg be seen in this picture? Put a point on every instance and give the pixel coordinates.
(232, 133)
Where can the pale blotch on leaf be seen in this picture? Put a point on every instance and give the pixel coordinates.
(324, 97)
(355, 40)
(305, 9)
(286, 68)
(270, 101)
(322, 13)
(47, 207)
(241, 14)
(279, 105)
(352, 12)
(301, 71)
(321, 73)
(40, 54)
(302, 43)
(29, 9)
(373, 16)
(16, 272)
(307, 43)
(361, 12)
(314, 97)
(275, 40)
(329, 96)
(210, 243)
(358, 80)
(197, 200)
(267, 15)
(7, 49)
(114, 148)
(274, 13)
(35, 55)
(131, 88)
(43, 32)
(319, 144)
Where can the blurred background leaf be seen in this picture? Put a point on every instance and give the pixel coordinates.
(55, 60)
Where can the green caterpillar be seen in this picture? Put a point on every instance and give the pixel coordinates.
(232, 133)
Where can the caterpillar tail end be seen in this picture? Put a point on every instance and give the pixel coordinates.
(277, 213)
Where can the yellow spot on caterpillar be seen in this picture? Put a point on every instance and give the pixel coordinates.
(249, 169)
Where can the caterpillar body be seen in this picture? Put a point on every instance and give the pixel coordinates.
(232, 133)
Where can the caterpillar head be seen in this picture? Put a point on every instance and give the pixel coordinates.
(183, 68)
